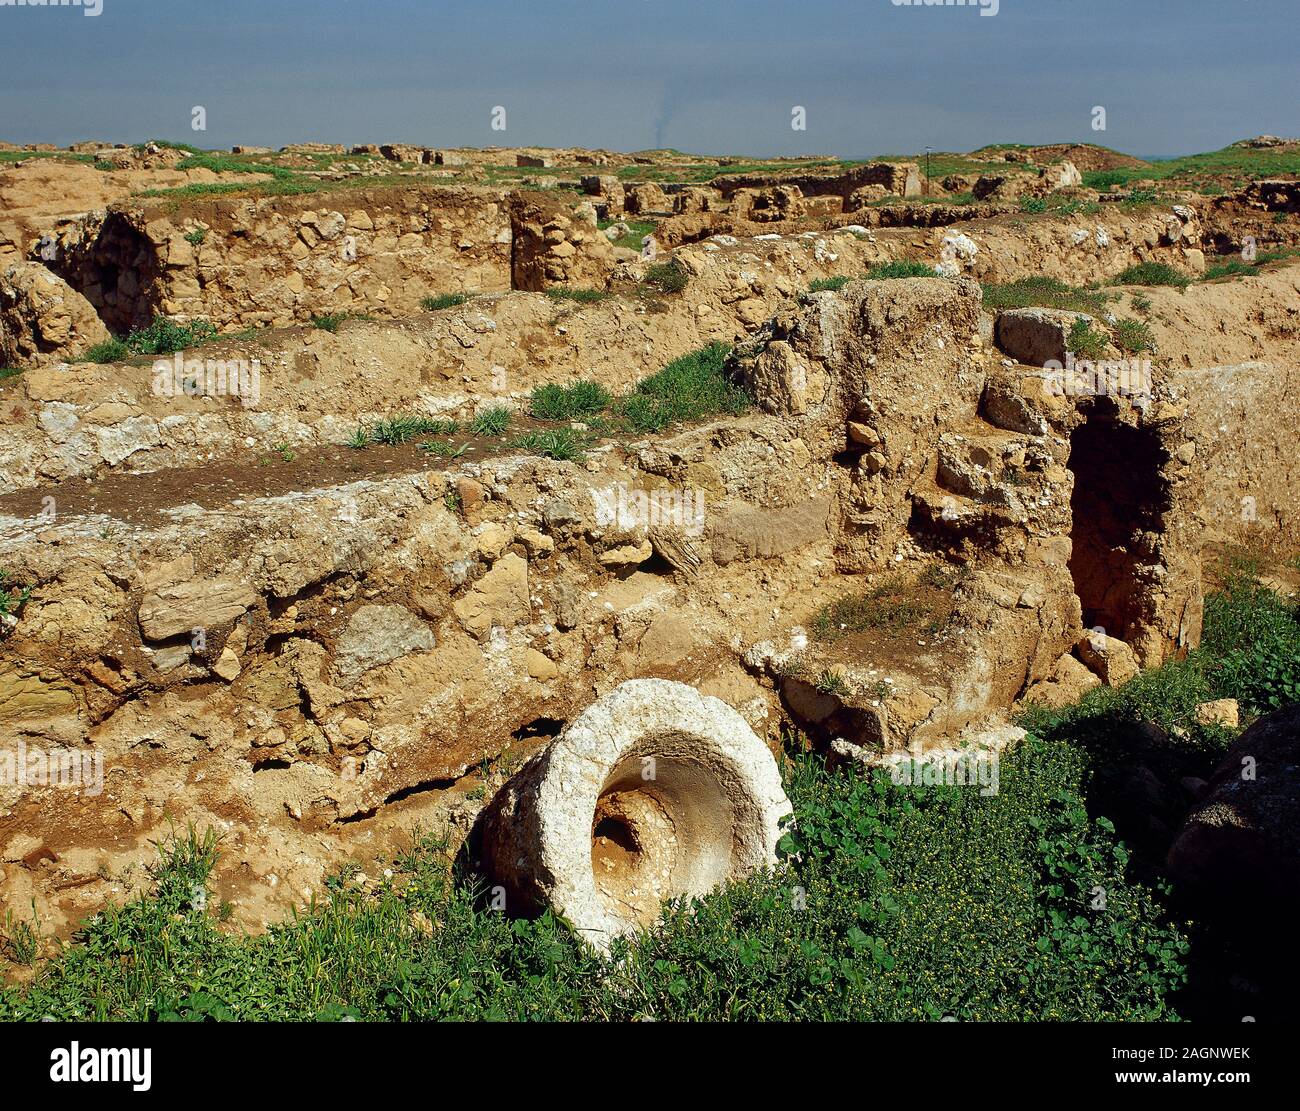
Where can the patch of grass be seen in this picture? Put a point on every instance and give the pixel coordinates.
(900, 269)
(330, 321)
(555, 443)
(1084, 341)
(887, 604)
(822, 284)
(1141, 303)
(1045, 293)
(1152, 273)
(636, 231)
(196, 237)
(492, 421)
(112, 350)
(444, 301)
(573, 402)
(581, 296)
(404, 427)
(1033, 204)
(10, 372)
(1133, 336)
(444, 449)
(667, 277)
(690, 388)
(832, 682)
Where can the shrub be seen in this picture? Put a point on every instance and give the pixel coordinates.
(667, 277)
(572, 402)
(689, 388)
(12, 599)
(196, 237)
(1033, 204)
(330, 321)
(1152, 273)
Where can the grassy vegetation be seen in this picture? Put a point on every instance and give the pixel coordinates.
(667, 277)
(636, 231)
(444, 301)
(329, 321)
(401, 429)
(1238, 164)
(902, 268)
(1085, 341)
(1134, 337)
(1152, 273)
(687, 389)
(163, 337)
(891, 603)
(10, 372)
(555, 443)
(581, 296)
(492, 421)
(892, 902)
(573, 402)
(1046, 293)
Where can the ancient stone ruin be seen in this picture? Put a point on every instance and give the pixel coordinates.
(299, 580)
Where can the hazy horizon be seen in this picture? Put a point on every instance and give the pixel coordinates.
(873, 77)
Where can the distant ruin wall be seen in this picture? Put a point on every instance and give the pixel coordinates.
(275, 261)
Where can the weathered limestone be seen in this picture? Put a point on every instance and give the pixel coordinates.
(654, 791)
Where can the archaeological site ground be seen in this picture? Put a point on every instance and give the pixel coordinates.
(521, 582)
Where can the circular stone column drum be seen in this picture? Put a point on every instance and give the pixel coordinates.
(654, 791)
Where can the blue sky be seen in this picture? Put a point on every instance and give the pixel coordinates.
(713, 76)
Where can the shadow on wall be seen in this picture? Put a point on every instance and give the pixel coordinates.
(1118, 505)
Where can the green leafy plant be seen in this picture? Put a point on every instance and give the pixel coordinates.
(821, 284)
(1046, 293)
(196, 237)
(404, 427)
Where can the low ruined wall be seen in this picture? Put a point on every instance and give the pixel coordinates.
(279, 260)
